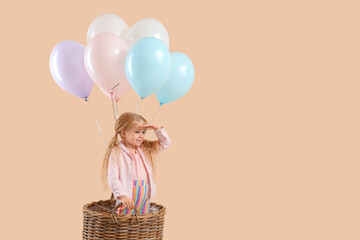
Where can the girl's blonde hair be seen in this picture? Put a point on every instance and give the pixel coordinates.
(125, 122)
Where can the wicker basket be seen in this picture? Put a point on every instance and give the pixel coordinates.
(102, 222)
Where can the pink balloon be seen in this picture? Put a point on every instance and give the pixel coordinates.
(105, 57)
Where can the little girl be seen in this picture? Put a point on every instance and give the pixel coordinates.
(129, 164)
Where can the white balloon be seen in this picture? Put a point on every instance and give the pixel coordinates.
(107, 23)
(147, 27)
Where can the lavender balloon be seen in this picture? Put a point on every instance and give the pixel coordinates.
(68, 69)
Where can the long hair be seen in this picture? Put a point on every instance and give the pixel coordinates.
(125, 122)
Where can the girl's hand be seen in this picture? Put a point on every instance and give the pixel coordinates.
(150, 126)
(126, 202)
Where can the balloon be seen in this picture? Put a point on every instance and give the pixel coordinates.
(104, 61)
(147, 27)
(68, 69)
(147, 66)
(180, 79)
(107, 23)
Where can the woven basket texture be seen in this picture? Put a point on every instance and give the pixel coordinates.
(102, 222)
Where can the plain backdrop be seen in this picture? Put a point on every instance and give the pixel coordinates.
(265, 145)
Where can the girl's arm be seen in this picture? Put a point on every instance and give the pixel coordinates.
(113, 175)
(164, 139)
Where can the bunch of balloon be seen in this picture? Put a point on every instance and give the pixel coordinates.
(118, 58)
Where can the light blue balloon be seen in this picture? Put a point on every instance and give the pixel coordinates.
(147, 66)
(180, 80)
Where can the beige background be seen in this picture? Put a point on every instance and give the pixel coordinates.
(265, 143)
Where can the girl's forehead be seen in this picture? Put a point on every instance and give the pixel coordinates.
(137, 124)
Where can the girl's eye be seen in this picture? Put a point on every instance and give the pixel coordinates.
(137, 132)
(144, 132)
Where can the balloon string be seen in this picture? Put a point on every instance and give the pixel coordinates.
(112, 103)
(97, 124)
(112, 92)
(155, 114)
(117, 111)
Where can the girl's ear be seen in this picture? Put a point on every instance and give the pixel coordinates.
(122, 134)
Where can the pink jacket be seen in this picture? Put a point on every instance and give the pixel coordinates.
(121, 170)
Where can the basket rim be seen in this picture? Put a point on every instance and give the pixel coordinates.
(141, 216)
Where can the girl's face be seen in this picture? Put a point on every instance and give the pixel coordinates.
(135, 135)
